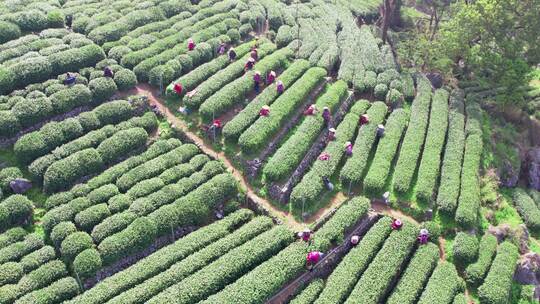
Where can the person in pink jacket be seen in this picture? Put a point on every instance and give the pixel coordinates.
(313, 257)
(190, 44)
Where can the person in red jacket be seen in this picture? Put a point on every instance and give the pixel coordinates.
(364, 119)
(190, 44)
(216, 124)
(313, 257)
(311, 110)
(249, 64)
(271, 77)
(396, 224)
(178, 89)
(305, 235)
(265, 111)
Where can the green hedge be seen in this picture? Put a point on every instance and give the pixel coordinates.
(125, 79)
(10, 273)
(498, 283)
(11, 236)
(387, 149)
(61, 231)
(64, 172)
(32, 110)
(291, 153)
(9, 31)
(177, 172)
(355, 166)
(57, 292)
(7, 175)
(311, 187)
(37, 279)
(465, 249)
(64, 213)
(113, 173)
(195, 207)
(37, 258)
(443, 285)
(156, 166)
(136, 237)
(162, 259)
(17, 250)
(344, 277)
(527, 208)
(74, 244)
(92, 216)
(378, 277)
(122, 143)
(87, 263)
(225, 76)
(75, 59)
(193, 263)
(460, 298)
(227, 268)
(15, 210)
(476, 272)
(102, 88)
(55, 134)
(145, 187)
(235, 91)
(234, 128)
(469, 196)
(258, 134)
(411, 148)
(428, 172)
(310, 293)
(170, 193)
(69, 98)
(414, 278)
(448, 193)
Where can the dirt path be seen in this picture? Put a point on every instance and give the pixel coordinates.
(442, 243)
(381, 207)
(287, 218)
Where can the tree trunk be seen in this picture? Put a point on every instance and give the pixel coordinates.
(386, 19)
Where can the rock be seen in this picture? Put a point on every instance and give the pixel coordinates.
(500, 232)
(528, 270)
(523, 236)
(436, 79)
(20, 185)
(533, 168)
(508, 175)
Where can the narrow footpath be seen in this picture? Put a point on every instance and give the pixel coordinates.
(286, 218)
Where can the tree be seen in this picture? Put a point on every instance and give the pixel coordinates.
(496, 39)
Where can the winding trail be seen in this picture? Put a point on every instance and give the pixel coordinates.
(151, 93)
